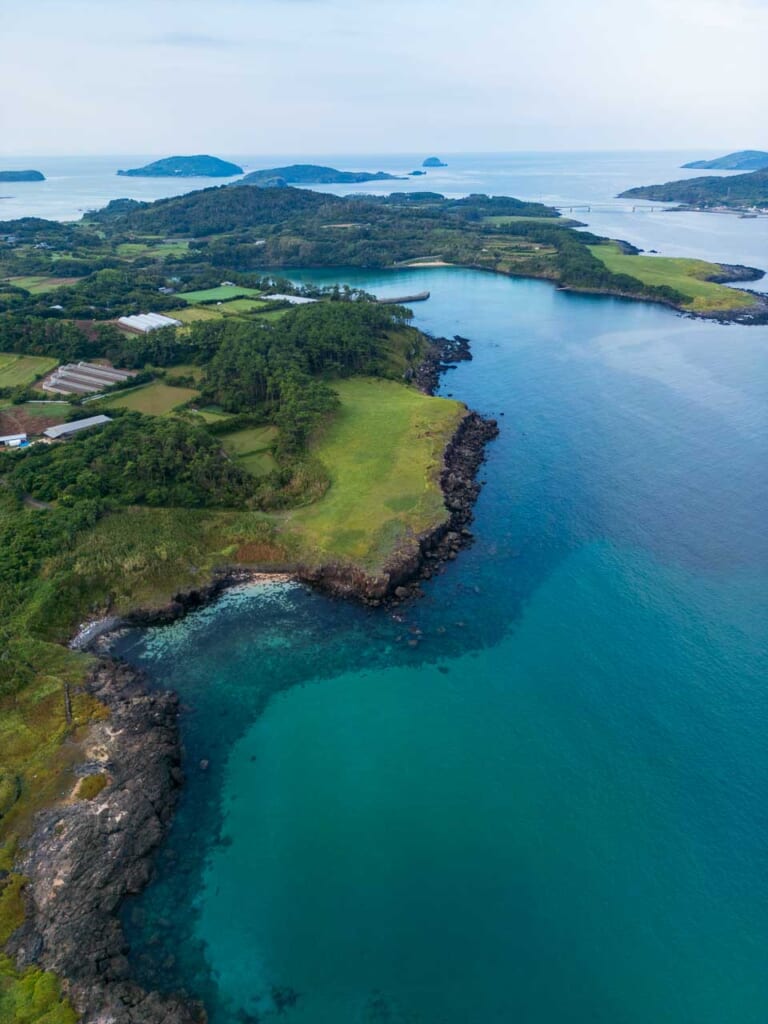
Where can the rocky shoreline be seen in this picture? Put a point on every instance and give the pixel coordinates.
(87, 855)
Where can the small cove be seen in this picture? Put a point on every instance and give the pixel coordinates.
(551, 809)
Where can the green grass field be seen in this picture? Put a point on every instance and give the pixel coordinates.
(156, 399)
(185, 370)
(684, 275)
(221, 294)
(17, 371)
(250, 447)
(383, 452)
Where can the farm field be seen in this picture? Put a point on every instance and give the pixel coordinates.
(384, 452)
(156, 399)
(160, 249)
(193, 313)
(32, 417)
(36, 284)
(18, 371)
(220, 294)
(685, 275)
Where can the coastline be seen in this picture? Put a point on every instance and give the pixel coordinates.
(86, 855)
(753, 315)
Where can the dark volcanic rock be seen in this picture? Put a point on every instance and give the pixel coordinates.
(86, 856)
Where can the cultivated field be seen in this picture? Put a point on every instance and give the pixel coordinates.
(17, 371)
(383, 451)
(36, 284)
(156, 399)
(684, 275)
(193, 313)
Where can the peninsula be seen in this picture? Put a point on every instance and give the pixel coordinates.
(22, 176)
(313, 174)
(735, 192)
(202, 166)
(743, 160)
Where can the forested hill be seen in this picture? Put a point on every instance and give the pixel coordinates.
(224, 209)
(737, 191)
(743, 160)
(202, 166)
(217, 210)
(313, 174)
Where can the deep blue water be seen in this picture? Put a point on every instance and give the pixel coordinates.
(553, 809)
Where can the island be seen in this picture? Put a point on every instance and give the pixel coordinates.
(225, 441)
(312, 174)
(743, 160)
(202, 166)
(735, 192)
(22, 176)
(434, 161)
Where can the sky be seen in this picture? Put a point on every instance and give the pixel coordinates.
(380, 76)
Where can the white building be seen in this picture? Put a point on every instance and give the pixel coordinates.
(145, 322)
(13, 440)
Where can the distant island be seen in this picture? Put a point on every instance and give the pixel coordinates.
(185, 167)
(744, 160)
(312, 174)
(434, 161)
(22, 176)
(736, 192)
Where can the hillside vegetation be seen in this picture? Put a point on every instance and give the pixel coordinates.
(737, 191)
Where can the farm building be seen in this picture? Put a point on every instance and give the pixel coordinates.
(65, 430)
(84, 378)
(13, 440)
(295, 300)
(143, 323)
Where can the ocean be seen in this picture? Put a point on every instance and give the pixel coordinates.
(552, 809)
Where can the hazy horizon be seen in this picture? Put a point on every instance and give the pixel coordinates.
(324, 76)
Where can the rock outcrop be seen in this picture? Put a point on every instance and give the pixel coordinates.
(86, 856)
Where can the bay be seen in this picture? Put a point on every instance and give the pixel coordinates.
(553, 808)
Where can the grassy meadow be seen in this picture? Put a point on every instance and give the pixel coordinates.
(251, 449)
(687, 276)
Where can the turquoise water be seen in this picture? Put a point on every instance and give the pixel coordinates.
(552, 810)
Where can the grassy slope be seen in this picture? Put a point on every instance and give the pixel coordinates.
(384, 455)
(687, 276)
